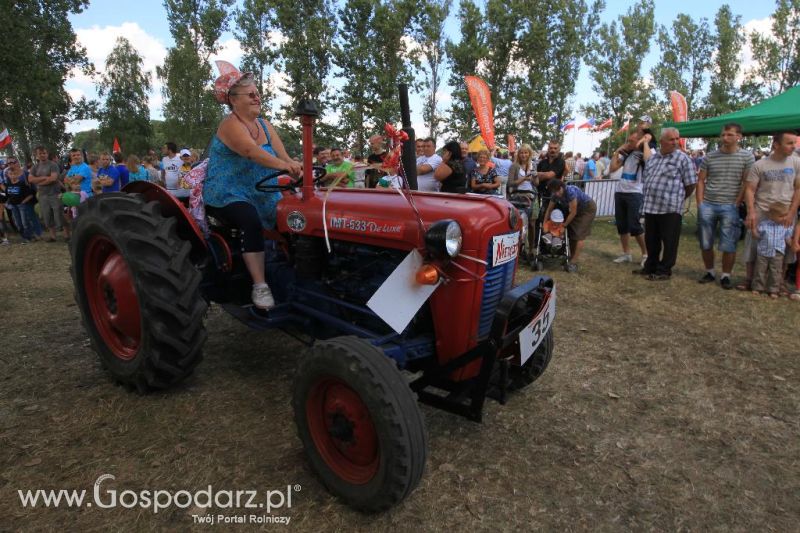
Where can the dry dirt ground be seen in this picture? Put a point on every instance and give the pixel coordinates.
(667, 406)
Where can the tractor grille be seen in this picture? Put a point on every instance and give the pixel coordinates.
(498, 280)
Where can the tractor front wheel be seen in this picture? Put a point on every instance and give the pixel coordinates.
(137, 291)
(359, 423)
(534, 367)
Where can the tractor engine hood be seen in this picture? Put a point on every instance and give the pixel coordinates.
(384, 217)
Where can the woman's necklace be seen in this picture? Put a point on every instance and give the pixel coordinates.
(254, 137)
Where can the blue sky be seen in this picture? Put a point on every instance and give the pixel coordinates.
(144, 23)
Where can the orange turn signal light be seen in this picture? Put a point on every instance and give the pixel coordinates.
(427, 275)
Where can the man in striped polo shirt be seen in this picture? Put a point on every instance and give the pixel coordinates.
(720, 190)
(669, 178)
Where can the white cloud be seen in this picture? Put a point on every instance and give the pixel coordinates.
(410, 45)
(76, 93)
(81, 125)
(762, 26)
(99, 41)
(443, 98)
(231, 51)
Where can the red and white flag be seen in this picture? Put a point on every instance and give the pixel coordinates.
(624, 127)
(606, 124)
(116, 149)
(5, 138)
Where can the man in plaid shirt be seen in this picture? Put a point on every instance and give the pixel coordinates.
(669, 178)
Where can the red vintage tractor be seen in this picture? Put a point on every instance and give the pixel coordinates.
(145, 274)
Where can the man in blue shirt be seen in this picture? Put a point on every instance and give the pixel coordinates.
(469, 163)
(108, 175)
(502, 165)
(79, 171)
(590, 170)
(582, 210)
(124, 174)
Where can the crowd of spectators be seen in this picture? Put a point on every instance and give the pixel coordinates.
(739, 193)
(735, 190)
(53, 186)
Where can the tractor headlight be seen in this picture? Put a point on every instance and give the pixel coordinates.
(443, 239)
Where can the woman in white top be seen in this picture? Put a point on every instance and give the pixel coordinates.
(523, 172)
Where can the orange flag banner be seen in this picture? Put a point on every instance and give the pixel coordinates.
(680, 111)
(116, 149)
(512, 143)
(481, 99)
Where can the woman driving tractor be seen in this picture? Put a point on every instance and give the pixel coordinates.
(244, 150)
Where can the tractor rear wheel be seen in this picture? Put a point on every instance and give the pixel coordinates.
(359, 423)
(522, 376)
(137, 291)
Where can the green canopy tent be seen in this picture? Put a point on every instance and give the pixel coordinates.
(781, 112)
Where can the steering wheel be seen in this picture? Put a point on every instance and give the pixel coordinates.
(261, 185)
(318, 173)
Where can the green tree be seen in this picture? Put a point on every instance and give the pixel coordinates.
(551, 47)
(124, 86)
(463, 59)
(191, 113)
(723, 94)
(39, 50)
(615, 56)
(685, 58)
(89, 140)
(498, 67)
(160, 136)
(307, 29)
(394, 59)
(353, 57)
(255, 30)
(777, 61)
(431, 37)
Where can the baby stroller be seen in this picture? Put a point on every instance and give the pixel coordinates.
(551, 241)
(523, 201)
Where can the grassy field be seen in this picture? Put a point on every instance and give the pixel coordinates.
(667, 406)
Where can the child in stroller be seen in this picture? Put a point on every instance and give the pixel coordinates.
(553, 230)
(552, 242)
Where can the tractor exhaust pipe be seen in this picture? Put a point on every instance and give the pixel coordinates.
(308, 112)
(409, 157)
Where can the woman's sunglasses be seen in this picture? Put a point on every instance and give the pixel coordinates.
(252, 94)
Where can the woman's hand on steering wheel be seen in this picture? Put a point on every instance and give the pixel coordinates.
(294, 168)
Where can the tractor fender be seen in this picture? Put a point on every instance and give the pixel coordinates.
(172, 207)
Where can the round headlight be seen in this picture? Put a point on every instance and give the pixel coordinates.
(443, 239)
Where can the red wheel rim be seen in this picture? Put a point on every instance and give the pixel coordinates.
(112, 297)
(342, 430)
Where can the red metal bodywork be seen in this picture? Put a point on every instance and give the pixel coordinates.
(390, 222)
(385, 218)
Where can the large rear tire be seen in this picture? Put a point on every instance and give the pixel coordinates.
(359, 423)
(137, 290)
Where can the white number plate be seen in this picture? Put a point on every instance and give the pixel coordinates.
(504, 248)
(533, 334)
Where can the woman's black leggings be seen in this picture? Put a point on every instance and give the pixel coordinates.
(246, 218)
